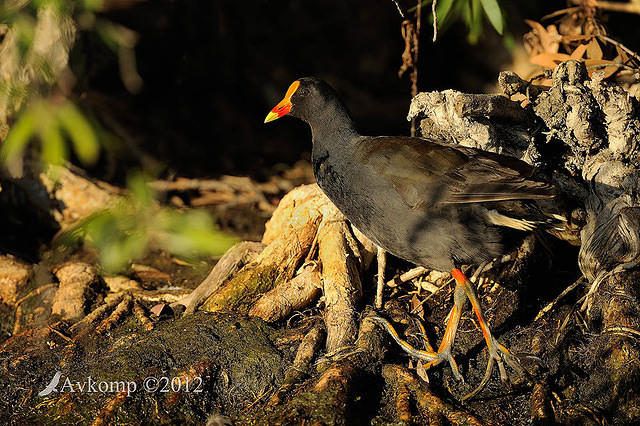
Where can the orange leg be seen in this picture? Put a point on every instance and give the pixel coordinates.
(444, 351)
(498, 354)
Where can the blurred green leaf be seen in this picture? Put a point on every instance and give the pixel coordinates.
(126, 231)
(93, 5)
(120, 253)
(53, 147)
(24, 26)
(141, 192)
(475, 24)
(19, 136)
(494, 13)
(469, 12)
(85, 142)
(466, 12)
(116, 36)
(191, 233)
(442, 11)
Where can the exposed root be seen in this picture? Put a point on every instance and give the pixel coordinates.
(289, 237)
(407, 389)
(76, 282)
(330, 396)
(340, 278)
(97, 313)
(233, 260)
(305, 354)
(289, 296)
(107, 412)
(141, 316)
(118, 313)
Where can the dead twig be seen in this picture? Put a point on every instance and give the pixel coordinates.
(434, 3)
(382, 263)
(399, 8)
(408, 276)
(616, 6)
(620, 45)
(555, 301)
(414, 72)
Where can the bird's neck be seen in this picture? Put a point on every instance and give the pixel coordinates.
(332, 126)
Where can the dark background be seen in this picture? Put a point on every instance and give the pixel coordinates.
(213, 69)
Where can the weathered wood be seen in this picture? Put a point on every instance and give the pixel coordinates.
(76, 280)
(233, 260)
(295, 294)
(340, 278)
(289, 236)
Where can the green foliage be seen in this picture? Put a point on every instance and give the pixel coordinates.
(49, 122)
(470, 12)
(126, 231)
(35, 92)
(494, 13)
(32, 94)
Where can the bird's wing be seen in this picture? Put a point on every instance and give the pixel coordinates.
(425, 173)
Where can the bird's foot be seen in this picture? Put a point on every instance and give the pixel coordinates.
(498, 354)
(431, 357)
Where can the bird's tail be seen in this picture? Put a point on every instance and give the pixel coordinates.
(549, 215)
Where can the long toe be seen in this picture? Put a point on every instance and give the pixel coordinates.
(498, 354)
(511, 359)
(453, 365)
(433, 358)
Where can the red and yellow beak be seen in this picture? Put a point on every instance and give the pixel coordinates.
(284, 106)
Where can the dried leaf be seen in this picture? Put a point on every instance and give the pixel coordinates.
(549, 60)
(549, 37)
(422, 373)
(608, 71)
(416, 307)
(594, 51)
(579, 52)
(622, 54)
(158, 309)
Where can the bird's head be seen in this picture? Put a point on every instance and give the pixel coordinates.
(305, 98)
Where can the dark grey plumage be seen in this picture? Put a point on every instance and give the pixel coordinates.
(433, 204)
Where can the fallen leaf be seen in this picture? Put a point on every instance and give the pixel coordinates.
(579, 52)
(158, 309)
(594, 51)
(549, 60)
(416, 307)
(422, 373)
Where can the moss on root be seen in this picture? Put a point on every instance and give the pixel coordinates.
(235, 357)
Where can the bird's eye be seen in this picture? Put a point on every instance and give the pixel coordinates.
(303, 92)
